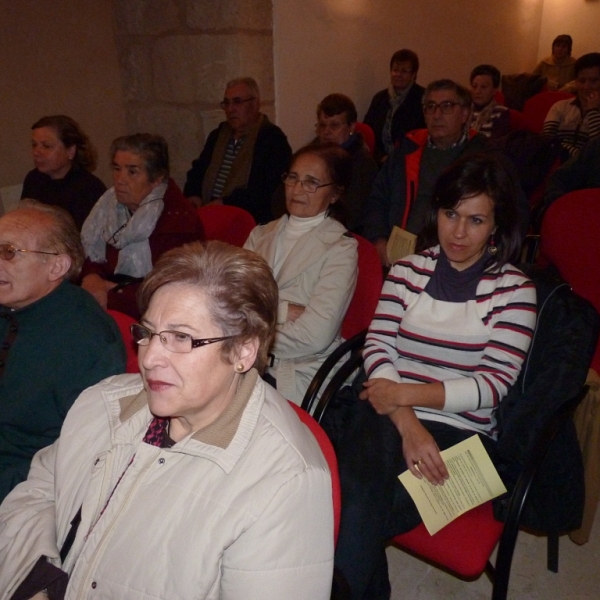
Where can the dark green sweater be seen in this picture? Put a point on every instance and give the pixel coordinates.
(65, 343)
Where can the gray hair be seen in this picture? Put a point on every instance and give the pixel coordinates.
(464, 96)
(153, 149)
(62, 236)
(249, 82)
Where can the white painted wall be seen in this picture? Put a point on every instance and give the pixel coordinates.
(325, 46)
(579, 18)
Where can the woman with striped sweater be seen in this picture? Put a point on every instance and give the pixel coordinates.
(449, 337)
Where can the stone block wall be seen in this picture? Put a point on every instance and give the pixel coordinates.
(176, 57)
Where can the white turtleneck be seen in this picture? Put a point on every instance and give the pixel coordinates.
(294, 229)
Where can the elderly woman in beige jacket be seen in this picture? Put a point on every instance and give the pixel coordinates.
(195, 479)
(314, 261)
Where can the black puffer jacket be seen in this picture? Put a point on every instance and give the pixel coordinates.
(555, 370)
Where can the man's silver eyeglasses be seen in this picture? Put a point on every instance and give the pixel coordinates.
(291, 179)
(447, 107)
(173, 341)
(234, 102)
(8, 251)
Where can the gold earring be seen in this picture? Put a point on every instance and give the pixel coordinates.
(239, 368)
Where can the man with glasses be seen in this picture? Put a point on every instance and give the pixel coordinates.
(402, 190)
(55, 339)
(397, 109)
(243, 159)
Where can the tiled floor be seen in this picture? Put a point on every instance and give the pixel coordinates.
(578, 577)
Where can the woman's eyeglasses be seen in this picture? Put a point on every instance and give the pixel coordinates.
(173, 341)
(8, 251)
(291, 179)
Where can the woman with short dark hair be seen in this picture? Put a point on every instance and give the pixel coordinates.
(194, 479)
(142, 216)
(559, 67)
(64, 159)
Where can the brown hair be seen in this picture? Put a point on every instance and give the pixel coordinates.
(238, 284)
(62, 236)
(70, 134)
(337, 104)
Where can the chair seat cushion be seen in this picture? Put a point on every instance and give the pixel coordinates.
(464, 546)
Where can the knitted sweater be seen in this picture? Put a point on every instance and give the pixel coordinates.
(476, 348)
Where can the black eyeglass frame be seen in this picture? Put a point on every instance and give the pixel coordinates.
(12, 251)
(195, 342)
(446, 107)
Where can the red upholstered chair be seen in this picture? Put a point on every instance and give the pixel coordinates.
(570, 240)
(368, 287)
(226, 223)
(499, 98)
(358, 316)
(367, 133)
(536, 108)
(517, 120)
(124, 322)
(331, 459)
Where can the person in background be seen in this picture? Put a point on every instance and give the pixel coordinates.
(64, 159)
(447, 342)
(191, 479)
(243, 159)
(55, 339)
(142, 216)
(402, 191)
(487, 117)
(559, 67)
(574, 122)
(336, 121)
(397, 109)
(314, 261)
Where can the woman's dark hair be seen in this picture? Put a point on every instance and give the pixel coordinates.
(336, 104)
(563, 38)
(587, 61)
(70, 134)
(470, 176)
(490, 70)
(152, 148)
(405, 55)
(237, 283)
(338, 164)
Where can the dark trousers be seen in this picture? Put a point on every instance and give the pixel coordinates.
(375, 505)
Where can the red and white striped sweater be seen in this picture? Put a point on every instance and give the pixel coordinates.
(476, 348)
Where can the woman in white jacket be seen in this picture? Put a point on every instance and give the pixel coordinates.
(314, 261)
(193, 480)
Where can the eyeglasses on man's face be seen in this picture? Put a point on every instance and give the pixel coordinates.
(334, 126)
(234, 102)
(173, 341)
(447, 107)
(308, 185)
(8, 251)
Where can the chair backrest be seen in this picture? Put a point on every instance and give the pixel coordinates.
(368, 288)
(517, 120)
(368, 135)
(330, 457)
(537, 107)
(229, 224)
(499, 98)
(124, 322)
(570, 241)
